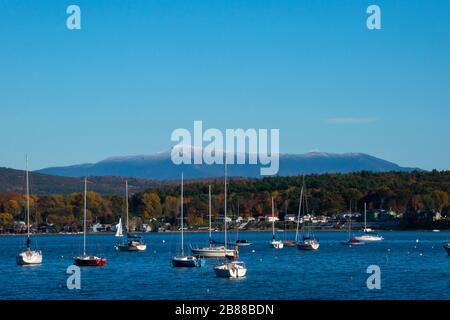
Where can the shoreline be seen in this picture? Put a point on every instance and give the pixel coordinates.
(206, 231)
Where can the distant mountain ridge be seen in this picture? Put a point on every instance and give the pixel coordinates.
(159, 166)
(12, 180)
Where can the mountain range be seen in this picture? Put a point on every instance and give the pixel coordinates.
(159, 166)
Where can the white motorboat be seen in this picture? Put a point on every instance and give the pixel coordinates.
(29, 256)
(276, 244)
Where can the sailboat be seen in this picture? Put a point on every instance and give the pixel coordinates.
(276, 244)
(368, 233)
(183, 261)
(352, 241)
(213, 250)
(86, 260)
(234, 268)
(308, 242)
(28, 257)
(132, 242)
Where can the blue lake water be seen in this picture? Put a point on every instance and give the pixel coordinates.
(408, 270)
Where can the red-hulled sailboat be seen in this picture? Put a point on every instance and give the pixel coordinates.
(87, 260)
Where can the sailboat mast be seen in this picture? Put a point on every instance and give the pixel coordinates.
(126, 202)
(299, 213)
(365, 217)
(225, 208)
(28, 199)
(182, 217)
(209, 209)
(84, 224)
(273, 222)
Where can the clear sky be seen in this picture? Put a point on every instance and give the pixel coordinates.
(139, 69)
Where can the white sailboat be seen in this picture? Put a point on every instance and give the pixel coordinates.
(28, 257)
(276, 244)
(231, 269)
(368, 235)
(212, 250)
(308, 242)
(182, 261)
(86, 260)
(132, 242)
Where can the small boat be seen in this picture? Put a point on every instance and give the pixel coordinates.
(308, 244)
(89, 261)
(132, 242)
(368, 235)
(183, 261)
(29, 256)
(86, 260)
(309, 241)
(214, 249)
(235, 268)
(243, 243)
(447, 248)
(352, 241)
(276, 244)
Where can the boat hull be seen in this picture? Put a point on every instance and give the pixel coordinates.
(127, 247)
(308, 246)
(89, 261)
(352, 243)
(369, 238)
(29, 258)
(230, 270)
(185, 262)
(243, 244)
(447, 248)
(212, 252)
(277, 245)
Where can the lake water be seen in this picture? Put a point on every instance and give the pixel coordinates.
(408, 270)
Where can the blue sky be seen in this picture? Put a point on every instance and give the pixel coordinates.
(139, 69)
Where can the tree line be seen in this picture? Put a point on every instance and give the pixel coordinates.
(419, 195)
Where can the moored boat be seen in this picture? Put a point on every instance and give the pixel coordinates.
(369, 235)
(183, 261)
(309, 241)
(29, 256)
(132, 242)
(243, 243)
(235, 268)
(86, 260)
(276, 244)
(214, 248)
